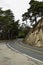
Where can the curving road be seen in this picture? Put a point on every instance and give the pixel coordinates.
(34, 52)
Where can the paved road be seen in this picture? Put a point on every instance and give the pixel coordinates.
(34, 52)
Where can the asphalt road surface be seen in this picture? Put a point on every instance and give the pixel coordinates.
(32, 51)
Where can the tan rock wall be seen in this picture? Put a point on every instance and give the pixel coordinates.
(35, 38)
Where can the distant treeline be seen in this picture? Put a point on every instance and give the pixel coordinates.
(9, 28)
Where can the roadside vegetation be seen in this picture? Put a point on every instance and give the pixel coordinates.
(11, 29)
(8, 26)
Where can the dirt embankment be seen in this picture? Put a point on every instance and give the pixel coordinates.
(35, 38)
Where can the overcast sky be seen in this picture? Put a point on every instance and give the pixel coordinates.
(17, 6)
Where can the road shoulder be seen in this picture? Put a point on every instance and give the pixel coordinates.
(10, 57)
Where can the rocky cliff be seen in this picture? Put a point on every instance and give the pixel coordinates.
(36, 36)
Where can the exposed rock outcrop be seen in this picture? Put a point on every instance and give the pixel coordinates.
(35, 37)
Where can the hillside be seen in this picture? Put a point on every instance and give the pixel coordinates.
(35, 37)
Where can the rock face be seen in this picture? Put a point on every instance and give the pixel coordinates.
(36, 36)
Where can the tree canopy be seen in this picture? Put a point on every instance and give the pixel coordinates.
(8, 25)
(35, 11)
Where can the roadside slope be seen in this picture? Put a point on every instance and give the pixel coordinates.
(35, 37)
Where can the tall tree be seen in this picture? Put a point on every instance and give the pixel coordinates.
(35, 11)
(8, 25)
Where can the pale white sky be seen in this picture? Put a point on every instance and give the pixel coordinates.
(17, 6)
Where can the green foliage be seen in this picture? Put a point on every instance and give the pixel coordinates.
(21, 34)
(36, 10)
(8, 25)
(23, 31)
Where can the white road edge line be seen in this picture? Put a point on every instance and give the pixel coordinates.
(24, 54)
